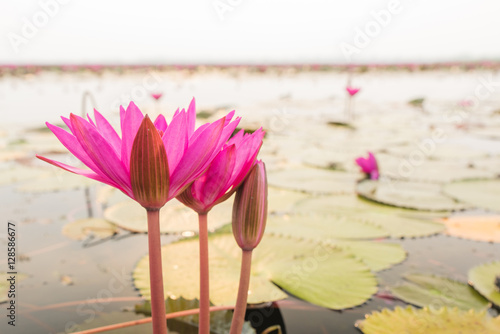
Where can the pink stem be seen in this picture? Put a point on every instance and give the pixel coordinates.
(155, 273)
(204, 323)
(241, 301)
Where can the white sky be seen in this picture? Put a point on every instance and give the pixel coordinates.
(251, 31)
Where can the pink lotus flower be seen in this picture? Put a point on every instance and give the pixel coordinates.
(352, 91)
(369, 166)
(250, 209)
(108, 157)
(225, 174)
(157, 96)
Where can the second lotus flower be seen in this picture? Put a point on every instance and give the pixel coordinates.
(369, 166)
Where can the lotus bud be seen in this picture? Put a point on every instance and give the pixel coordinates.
(149, 173)
(250, 208)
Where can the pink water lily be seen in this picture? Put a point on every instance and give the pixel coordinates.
(369, 166)
(225, 174)
(352, 91)
(157, 96)
(107, 155)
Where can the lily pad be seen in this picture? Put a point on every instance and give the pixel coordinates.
(5, 285)
(483, 277)
(481, 228)
(316, 181)
(105, 319)
(319, 274)
(83, 228)
(375, 254)
(20, 174)
(175, 217)
(220, 321)
(409, 195)
(56, 181)
(426, 321)
(479, 193)
(321, 227)
(429, 290)
(283, 201)
(400, 226)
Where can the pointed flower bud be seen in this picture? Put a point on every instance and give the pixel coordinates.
(149, 173)
(250, 208)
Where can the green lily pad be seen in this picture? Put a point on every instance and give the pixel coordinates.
(5, 285)
(321, 227)
(399, 226)
(481, 228)
(175, 217)
(316, 181)
(482, 278)
(57, 180)
(83, 228)
(429, 290)
(437, 171)
(426, 321)
(283, 201)
(106, 319)
(479, 193)
(319, 274)
(376, 255)
(220, 321)
(409, 195)
(20, 174)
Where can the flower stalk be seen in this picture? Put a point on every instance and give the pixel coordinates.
(204, 322)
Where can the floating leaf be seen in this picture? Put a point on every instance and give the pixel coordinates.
(410, 195)
(320, 227)
(483, 277)
(220, 321)
(430, 290)
(175, 217)
(283, 201)
(106, 319)
(426, 321)
(5, 285)
(479, 193)
(57, 180)
(319, 274)
(481, 228)
(375, 254)
(398, 226)
(312, 180)
(83, 228)
(20, 174)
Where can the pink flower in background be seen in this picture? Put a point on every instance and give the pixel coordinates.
(157, 96)
(99, 147)
(466, 103)
(352, 91)
(369, 166)
(225, 174)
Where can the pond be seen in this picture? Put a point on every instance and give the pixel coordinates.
(419, 220)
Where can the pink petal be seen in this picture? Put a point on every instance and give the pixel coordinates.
(191, 117)
(176, 140)
(161, 123)
(108, 132)
(130, 124)
(101, 153)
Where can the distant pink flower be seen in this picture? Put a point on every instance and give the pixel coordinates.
(250, 209)
(225, 174)
(369, 166)
(157, 96)
(466, 103)
(108, 157)
(352, 91)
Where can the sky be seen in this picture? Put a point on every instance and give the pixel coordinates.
(244, 31)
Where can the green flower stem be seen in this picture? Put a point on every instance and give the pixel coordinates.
(156, 274)
(241, 301)
(204, 323)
